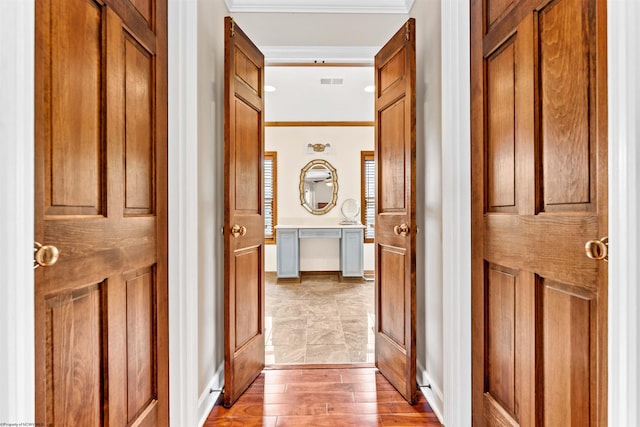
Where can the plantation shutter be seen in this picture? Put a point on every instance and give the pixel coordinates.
(270, 197)
(369, 195)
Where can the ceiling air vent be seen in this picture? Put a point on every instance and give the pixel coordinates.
(331, 81)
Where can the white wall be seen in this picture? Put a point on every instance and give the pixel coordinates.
(196, 68)
(429, 325)
(291, 146)
(210, 193)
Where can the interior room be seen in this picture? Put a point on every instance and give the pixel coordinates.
(320, 113)
(287, 32)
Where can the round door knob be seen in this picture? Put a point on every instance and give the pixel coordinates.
(401, 230)
(238, 230)
(44, 255)
(597, 249)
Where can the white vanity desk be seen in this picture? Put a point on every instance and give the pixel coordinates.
(351, 246)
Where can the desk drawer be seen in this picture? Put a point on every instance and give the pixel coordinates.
(320, 233)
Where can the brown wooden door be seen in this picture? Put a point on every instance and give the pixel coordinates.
(539, 172)
(101, 198)
(395, 230)
(244, 216)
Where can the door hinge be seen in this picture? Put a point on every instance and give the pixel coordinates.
(407, 31)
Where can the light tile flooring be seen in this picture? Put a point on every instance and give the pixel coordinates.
(319, 321)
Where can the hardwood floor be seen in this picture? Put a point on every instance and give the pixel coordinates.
(350, 396)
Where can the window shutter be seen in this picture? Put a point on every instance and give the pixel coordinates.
(269, 197)
(368, 211)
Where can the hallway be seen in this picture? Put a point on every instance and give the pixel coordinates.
(322, 397)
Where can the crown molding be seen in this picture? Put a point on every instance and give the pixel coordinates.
(321, 6)
(318, 54)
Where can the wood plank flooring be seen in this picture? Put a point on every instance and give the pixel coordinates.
(350, 396)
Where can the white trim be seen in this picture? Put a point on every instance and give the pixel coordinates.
(329, 54)
(320, 6)
(431, 392)
(17, 359)
(210, 395)
(624, 211)
(183, 212)
(434, 402)
(456, 213)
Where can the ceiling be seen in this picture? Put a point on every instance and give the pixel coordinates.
(320, 6)
(319, 93)
(331, 31)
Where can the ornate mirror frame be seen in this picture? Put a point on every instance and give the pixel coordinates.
(334, 198)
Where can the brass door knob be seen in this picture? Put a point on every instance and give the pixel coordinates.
(44, 255)
(238, 230)
(598, 249)
(401, 230)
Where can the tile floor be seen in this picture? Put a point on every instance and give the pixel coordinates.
(318, 321)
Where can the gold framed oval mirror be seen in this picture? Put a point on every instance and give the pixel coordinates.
(318, 187)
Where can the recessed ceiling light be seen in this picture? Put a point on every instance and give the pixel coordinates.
(269, 88)
(369, 89)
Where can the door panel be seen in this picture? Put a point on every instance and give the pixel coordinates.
(501, 150)
(244, 250)
(74, 375)
(247, 326)
(395, 192)
(392, 325)
(75, 185)
(392, 171)
(141, 342)
(501, 336)
(539, 183)
(565, 331)
(100, 163)
(565, 39)
(139, 142)
(247, 150)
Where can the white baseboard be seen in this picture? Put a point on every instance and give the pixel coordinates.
(432, 392)
(210, 395)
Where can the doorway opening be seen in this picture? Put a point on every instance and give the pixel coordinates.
(395, 242)
(319, 112)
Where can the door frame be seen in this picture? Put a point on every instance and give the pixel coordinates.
(16, 161)
(456, 213)
(623, 56)
(17, 390)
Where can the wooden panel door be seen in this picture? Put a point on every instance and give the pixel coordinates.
(101, 198)
(244, 216)
(395, 231)
(539, 172)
